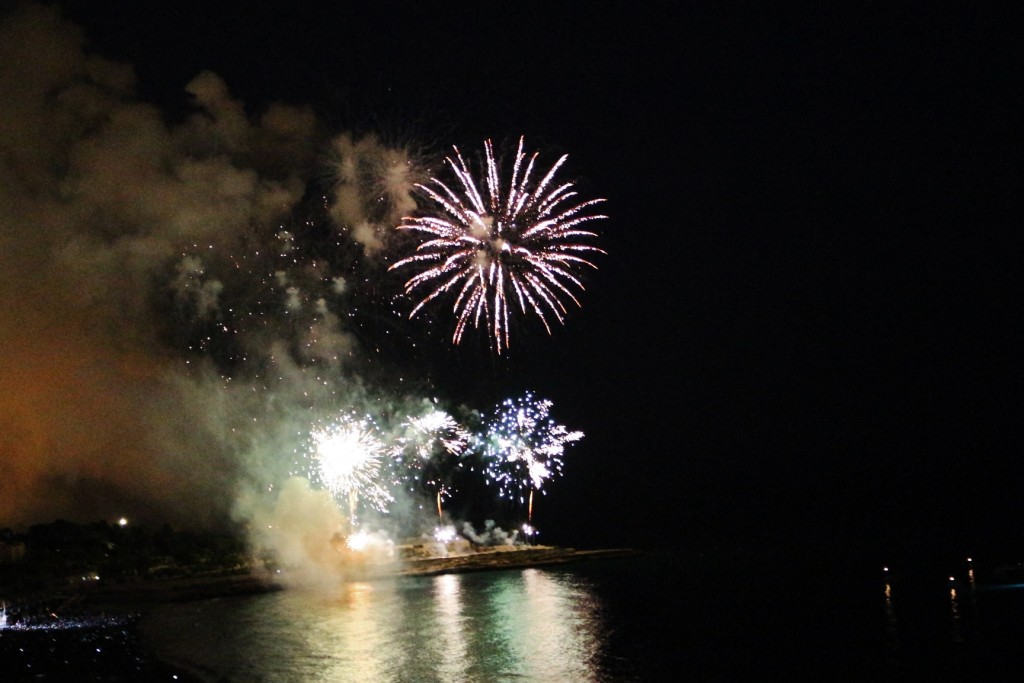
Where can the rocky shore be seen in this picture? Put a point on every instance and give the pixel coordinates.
(506, 557)
(251, 580)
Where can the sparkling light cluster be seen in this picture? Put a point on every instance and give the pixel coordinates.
(513, 246)
(523, 446)
(349, 456)
(437, 431)
(438, 444)
(519, 449)
(299, 297)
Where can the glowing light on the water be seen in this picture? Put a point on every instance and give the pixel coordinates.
(516, 246)
(523, 447)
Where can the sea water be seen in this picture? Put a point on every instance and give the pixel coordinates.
(528, 624)
(650, 618)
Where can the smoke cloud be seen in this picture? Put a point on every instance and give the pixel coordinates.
(165, 340)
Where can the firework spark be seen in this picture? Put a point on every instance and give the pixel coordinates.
(358, 541)
(436, 443)
(523, 446)
(349, 457)
(437, 431)
(516, 245)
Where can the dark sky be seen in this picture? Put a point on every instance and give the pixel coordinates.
(807, 323)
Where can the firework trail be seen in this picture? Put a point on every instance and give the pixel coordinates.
(516, 246)
(523, 447)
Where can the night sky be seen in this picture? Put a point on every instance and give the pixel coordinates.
(806, 327)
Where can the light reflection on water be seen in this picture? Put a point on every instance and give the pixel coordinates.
(527, 625)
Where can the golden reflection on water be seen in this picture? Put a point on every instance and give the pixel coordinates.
(956, 619)
(531, 625)
(891, 623)
(355, 623)
(451, 638)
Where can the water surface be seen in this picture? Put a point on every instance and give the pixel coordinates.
(651, 618)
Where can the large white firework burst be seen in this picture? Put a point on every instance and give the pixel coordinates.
(349, 456)
(514, 246)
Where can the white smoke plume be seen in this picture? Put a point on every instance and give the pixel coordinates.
(492, 535)
(374, 188)
(139, 258)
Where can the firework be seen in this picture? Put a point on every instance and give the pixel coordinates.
(436, 443)
(349, 457)
(437, 431)
(513, 246)
(358, 541)
(445, 534)
(523, 447)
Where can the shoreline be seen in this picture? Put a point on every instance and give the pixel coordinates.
(128, 595)
(109, 614)
(139, 593)
(491, 560)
